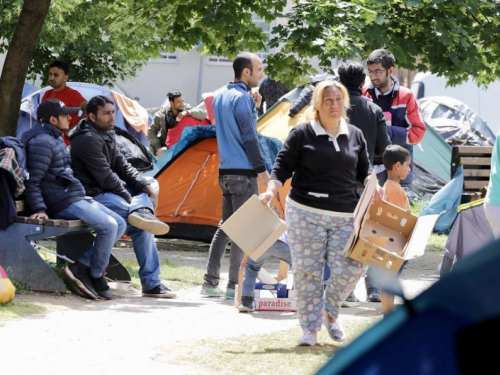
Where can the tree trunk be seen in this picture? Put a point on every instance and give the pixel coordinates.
(16, 64)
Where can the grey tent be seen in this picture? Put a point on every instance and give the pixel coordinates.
(470, 232)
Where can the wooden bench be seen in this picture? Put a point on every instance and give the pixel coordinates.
(23, 263)
(476, 162)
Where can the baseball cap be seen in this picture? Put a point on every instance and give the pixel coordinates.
(54, 107)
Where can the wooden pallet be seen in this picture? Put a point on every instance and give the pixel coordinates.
(476, 162)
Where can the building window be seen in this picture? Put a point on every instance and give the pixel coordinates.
(218, 60)
(266, 28)
(166, 57)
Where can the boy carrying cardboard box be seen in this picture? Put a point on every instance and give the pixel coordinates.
(397, 162)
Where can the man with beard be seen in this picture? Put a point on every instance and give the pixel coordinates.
(405, 124)
(112, 181)
(241, 162)
(168, 117)
(58, 76)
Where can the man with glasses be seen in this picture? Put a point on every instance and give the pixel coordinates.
(405, 124)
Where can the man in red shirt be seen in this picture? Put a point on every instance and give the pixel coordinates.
(58, 76)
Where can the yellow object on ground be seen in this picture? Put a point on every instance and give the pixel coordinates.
(7, 290)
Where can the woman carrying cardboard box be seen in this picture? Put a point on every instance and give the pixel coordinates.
(324, 157)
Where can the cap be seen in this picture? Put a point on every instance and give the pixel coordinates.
(54, 107)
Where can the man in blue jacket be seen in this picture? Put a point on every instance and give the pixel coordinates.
(241, 161)
(53, 189)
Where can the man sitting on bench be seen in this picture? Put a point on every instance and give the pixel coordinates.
(112, 181)
(53, 189)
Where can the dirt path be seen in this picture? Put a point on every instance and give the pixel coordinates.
(132, 334)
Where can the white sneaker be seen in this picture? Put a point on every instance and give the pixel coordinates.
(335, 330)
(307, 339)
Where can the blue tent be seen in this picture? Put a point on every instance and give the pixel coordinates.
(30, 103)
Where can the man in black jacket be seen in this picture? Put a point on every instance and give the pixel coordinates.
(53, 189)
(370, 119)
(364, 114)
(112, 181)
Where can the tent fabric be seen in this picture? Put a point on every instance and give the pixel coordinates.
(424, 336)
(174, 134)
(28, 89)
(446, 201)
(471, 232)
(190, 199)
(425, 183)
(30, 103)
(135, 115)
(434, 154)
(455, 121)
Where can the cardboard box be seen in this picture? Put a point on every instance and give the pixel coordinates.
(254, 227)
(385, 235)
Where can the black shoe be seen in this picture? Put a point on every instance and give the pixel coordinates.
(351, 301)
(144, 219)
(246, 305)
(373, 295)
(101, 287)
(79, 275)
(159, 291)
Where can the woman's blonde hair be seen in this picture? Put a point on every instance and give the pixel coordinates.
(318, 98)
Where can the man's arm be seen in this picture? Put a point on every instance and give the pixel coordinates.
(383, 139)
(128, 173)
(83, 108)
(244, 114)
(196, 112)
(153, 130)
(415, 119)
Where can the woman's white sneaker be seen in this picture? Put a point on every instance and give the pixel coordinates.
(335, 330)
(307, 339)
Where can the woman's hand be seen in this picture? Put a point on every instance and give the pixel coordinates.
(266, 198)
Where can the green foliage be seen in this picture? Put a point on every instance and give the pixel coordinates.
(455, 38)
(109, 39)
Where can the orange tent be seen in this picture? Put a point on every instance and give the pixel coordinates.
(190, 198)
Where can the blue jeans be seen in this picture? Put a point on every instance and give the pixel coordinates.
(236, 190)
(279, 250)
(108, 226)
(142, 241)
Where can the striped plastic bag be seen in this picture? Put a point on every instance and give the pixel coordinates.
(7, 290)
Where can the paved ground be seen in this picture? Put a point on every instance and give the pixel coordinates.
(132, 334)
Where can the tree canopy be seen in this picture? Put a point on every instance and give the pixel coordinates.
(109, 39)
(454, 38)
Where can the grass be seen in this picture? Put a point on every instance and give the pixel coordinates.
(178, 276)
(274, 353)
(15, 309)
(436, 242)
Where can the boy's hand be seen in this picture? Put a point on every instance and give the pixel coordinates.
(379, 194)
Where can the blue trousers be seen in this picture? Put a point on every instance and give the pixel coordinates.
(279, 250)
(108, 226)
(143, 242)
